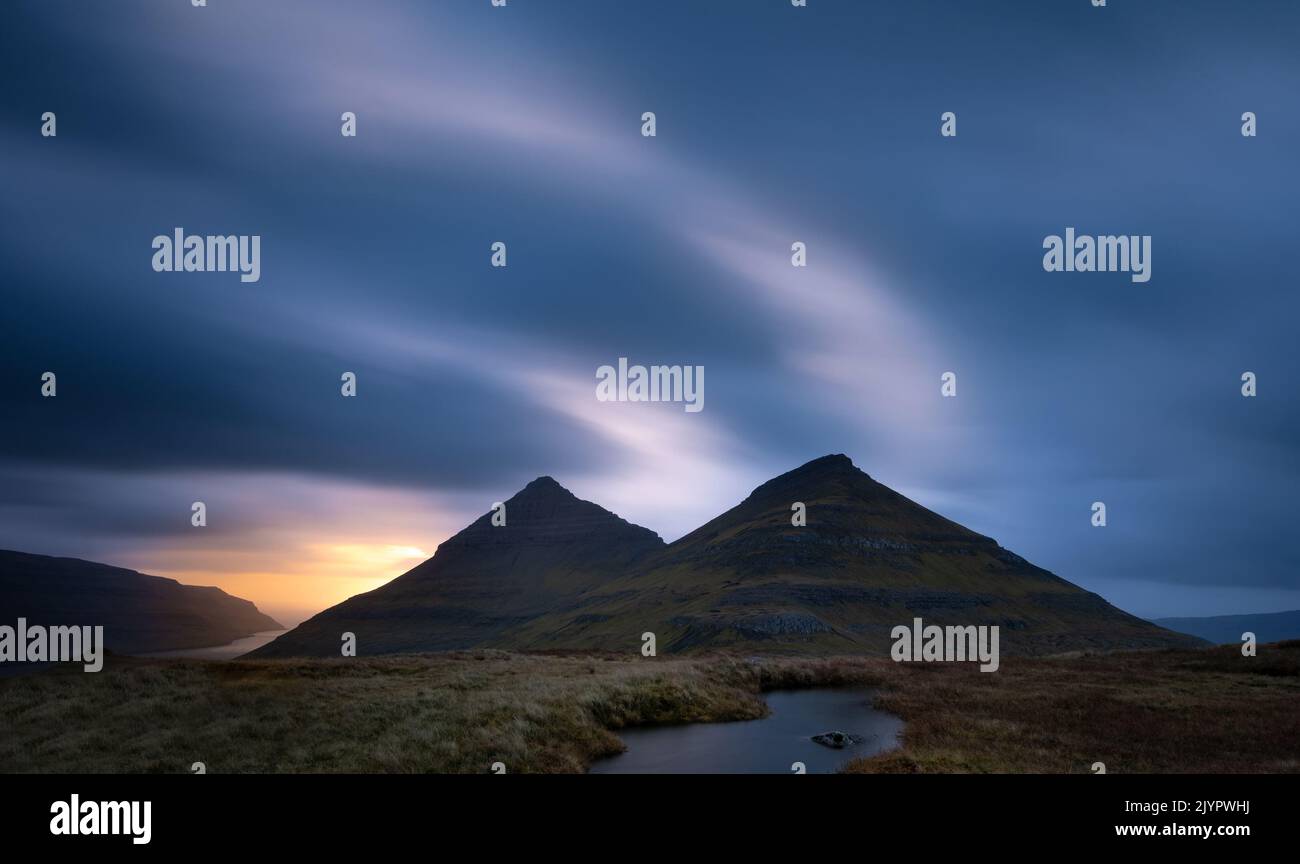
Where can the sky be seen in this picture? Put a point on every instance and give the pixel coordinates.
(774, 124)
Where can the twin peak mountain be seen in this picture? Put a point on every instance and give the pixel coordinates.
(564, 573)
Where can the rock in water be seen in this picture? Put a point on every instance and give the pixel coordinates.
(838, 740)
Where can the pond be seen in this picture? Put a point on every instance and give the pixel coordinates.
(770, 745)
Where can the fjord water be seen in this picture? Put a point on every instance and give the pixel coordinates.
(228, 651)
(766, 746)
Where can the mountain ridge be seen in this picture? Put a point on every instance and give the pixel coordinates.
(1227, 629)
(140, 613)
(867, 559)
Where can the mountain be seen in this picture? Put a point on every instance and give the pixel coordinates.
(139, 613)
(486, 581)
(1225, 629)
(868, 559)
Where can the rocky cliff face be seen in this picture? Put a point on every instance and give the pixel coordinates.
(569, 575)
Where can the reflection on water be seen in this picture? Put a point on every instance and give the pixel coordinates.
(221, 652)
(767, 746)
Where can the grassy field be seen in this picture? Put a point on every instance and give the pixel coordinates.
(1165, 711)
(1168, 712)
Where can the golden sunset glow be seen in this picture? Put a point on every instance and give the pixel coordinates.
(319, 543)
(318, 576)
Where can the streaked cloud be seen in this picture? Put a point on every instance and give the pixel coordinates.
(475, 127)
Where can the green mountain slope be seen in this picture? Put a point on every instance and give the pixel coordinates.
(867, 560)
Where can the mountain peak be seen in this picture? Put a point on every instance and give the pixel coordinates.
(547, 548)
(835, 468)
(544, 513)
(830, 462)
(545, 486)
